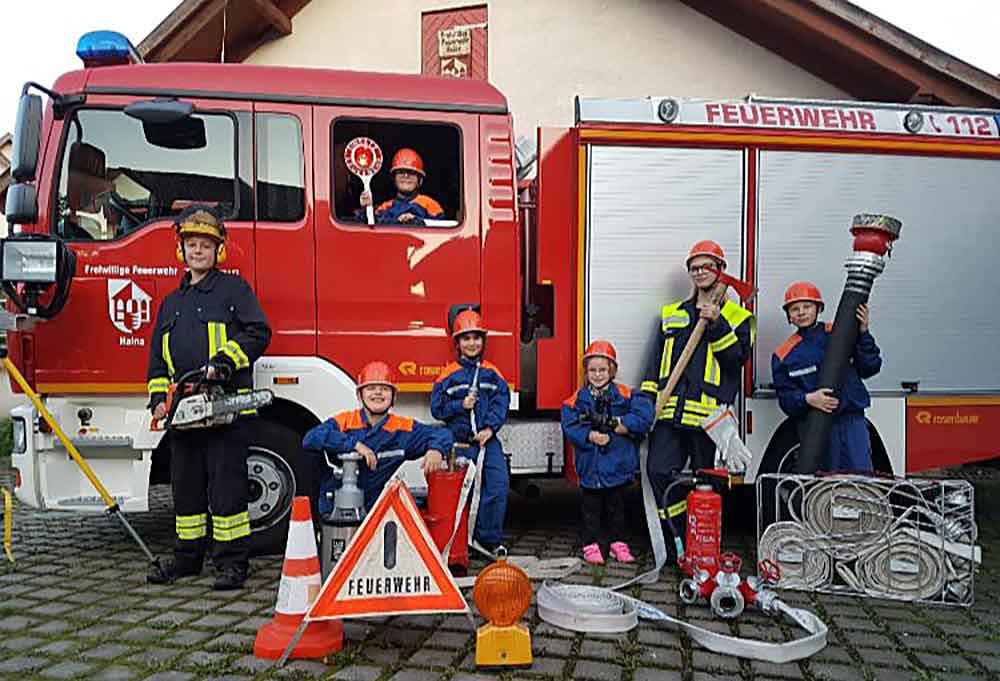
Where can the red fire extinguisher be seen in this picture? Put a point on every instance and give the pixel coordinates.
(703, 534)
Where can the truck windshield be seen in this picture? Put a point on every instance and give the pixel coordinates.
(118, 175)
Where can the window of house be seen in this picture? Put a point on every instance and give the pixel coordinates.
(436, 201)
(119, 174)
(280, 169)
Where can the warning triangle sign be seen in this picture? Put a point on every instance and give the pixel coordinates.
(391, 567)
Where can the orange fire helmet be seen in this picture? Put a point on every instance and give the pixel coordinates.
(600, 348)
(408, 159)
(376, 373)
(709, 248)
(803, 291)
(468, 321)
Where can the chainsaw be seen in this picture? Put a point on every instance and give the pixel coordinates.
(195, 401)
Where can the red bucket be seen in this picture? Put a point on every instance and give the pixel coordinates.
(443, 491)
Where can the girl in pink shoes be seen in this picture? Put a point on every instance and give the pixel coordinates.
(604, 421)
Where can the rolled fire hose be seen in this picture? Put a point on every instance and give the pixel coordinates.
(852, 514)
(790, 546)
(895, 559)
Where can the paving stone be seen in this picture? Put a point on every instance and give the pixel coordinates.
(836, 672)
(51, 609)
(16, 623)
(562, 647)
(241, 607)
(115, 674)
(789, 670)
(58, 648)
(187, 637)
(53, 627)
(132, 616)
(601, 671)
(203, 658)
(551, 666)
(431, 658)
(152, 657)
(253, 664)
(884, 657)
(597, 650)
(382, 655)
(20, 644)
(658, 675)
(141, 634)
(22, 664)
(170, 676)
(943, 662)
(712, 661)
(312, 668)
(977, 645)
(68, 670)
(237, 642)
(170, 619)
(108, 651)
(98, 631)
(466, 676)
(363, 672)
(924, 644)
(216, 621)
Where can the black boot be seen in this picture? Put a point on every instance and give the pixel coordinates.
(171, 572)
(230, 578)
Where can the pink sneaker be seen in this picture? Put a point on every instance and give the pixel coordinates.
(592, 554)
(619, 550)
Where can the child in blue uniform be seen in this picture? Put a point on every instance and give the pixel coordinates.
(385, 440)
(604, 422)
(795, 369)
(409, 206)
(472, 397)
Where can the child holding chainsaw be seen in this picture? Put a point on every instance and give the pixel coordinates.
(384, 439)
(472, 397)
(710, 380)
(795, 370)
(212, 326)
(604, 421)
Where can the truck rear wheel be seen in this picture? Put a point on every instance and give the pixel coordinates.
(277, 473)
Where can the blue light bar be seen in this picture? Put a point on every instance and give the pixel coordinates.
(105, 48)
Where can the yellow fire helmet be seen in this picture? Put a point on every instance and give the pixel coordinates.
(201, 221)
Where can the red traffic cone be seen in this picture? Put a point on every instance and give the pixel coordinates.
(300, 585)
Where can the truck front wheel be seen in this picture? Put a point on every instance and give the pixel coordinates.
(276, 469)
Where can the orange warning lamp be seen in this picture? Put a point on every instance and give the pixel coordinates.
(502, 594)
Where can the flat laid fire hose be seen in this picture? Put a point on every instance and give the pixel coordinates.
(592, 609)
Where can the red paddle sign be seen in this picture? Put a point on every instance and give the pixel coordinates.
(363, 157)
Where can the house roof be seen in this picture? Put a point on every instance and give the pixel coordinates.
(835, 40)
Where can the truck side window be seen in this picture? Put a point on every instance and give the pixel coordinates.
(280, 169)
(437, 199)
(117, 175)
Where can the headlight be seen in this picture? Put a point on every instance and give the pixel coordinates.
(29, 261)
(20, 436)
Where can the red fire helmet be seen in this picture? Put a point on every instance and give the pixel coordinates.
(709, 248)
(802, 290)
(600, 348)
(468, 321)
(376, 373)
(408, 159)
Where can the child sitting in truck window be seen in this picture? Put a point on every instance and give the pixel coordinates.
(472, 397)
(795, 370)
(604, 422)
(384, 439)
(409, 206)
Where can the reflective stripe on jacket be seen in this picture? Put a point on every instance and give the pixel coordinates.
(712, 377)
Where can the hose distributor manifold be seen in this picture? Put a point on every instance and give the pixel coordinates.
(873, 237)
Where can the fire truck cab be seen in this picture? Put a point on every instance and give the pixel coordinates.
(591, 248)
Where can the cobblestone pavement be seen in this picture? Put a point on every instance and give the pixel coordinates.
(76, 607)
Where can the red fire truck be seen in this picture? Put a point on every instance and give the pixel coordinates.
(589, 248)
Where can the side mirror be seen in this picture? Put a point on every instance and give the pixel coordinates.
(27, 132)
(22, 204)
(159, 111)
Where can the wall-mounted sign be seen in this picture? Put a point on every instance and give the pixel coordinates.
(454, 42)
